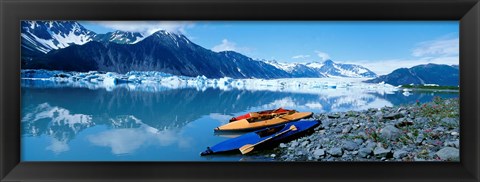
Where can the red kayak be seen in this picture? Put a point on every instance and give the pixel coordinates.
(273, 112)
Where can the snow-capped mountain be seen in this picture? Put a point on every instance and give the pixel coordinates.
(44, 36)
(298, 70)
(327, 68)
(162, 51)
(119, 37)
(79, 49)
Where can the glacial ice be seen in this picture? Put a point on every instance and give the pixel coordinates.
(158, 81)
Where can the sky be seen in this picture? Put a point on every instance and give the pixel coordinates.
(381, 46)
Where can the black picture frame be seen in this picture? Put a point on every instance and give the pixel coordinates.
(13, 11)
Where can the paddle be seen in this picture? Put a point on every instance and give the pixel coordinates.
(249, 147)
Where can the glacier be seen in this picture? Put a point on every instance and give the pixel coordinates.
(154, 81)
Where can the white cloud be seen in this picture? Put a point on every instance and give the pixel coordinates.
(444, 50)
(322, 55)
(300, 56)
(147, 27)
(128, 140)
(58, 146)
(227, 45)
(439, 47)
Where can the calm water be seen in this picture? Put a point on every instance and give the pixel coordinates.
(125, 124)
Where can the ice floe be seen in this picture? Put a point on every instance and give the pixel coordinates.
(158, 81)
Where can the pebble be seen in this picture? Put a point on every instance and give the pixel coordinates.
(390, 132)
(399, 154)
(450, 121)
(304, 143)
(319, 153)
(333, 116)
(380, 152)
(449, 154)
(455, 144)
(337, 130)
(347, 129)
(349, 145)
(336, 152)
(364, 152)
(393, 116)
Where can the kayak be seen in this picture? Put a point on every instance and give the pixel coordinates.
(272, 113)
(261, 122)
(234, 144)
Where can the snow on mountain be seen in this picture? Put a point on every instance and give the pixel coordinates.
(327, 68)
(44, 36)
(314, 64)
(120, 37)
(288, 67)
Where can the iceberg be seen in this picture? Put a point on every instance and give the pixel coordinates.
(157, 81)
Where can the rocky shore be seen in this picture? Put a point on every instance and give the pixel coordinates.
(416, 132)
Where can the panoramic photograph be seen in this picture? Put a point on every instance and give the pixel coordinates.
(254, 91)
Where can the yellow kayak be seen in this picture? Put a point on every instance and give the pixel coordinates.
(259, 122)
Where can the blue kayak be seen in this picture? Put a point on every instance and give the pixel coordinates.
(254, 137)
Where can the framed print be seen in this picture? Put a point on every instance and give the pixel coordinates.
(240, 90)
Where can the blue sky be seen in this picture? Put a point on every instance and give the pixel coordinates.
(381, 46)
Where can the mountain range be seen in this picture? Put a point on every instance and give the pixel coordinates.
(68, 46)
(445, 75)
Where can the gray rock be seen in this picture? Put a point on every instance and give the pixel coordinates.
(378, 114)
(419, 139)
(358, 141)
(371, 144)
(449, 154)
(282, 145)
(294, 144)
(352, 120)
(390, 132)
(421, 120)
(450, 121)
(364, 152)
(336, 152)
(393, 116)
(273, 156)
(299, 152)
(347, 129)
(337, 130)
(399, 154)
(304, 143)
(333, 116)
(356, 126)
(362, 134)
(403, 122)
(455, 144)
(349, 145)
(319, 153)
(343, 123)
(380, 152)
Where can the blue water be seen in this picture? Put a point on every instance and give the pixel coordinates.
(121, 124)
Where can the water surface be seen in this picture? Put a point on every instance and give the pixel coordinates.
(67, 123)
